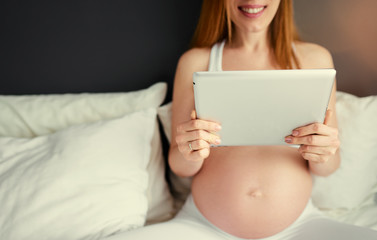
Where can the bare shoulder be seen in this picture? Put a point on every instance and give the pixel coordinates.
(313, 55)
(195, 59)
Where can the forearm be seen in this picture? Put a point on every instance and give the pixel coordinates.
(182, 167)
(327, 168)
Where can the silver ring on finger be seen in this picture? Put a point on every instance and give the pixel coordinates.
(190, 147)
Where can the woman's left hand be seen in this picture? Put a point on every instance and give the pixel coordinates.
(319, 142)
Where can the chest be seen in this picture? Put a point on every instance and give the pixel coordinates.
(242, 60)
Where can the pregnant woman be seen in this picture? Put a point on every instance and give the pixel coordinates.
(249, 192)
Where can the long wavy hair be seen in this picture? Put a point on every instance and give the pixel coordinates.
(215, 24)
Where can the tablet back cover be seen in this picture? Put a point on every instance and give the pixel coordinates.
(262, 107)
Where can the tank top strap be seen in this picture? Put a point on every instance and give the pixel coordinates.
(216, 56)
(294, 49)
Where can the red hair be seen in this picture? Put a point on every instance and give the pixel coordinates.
(215, 25)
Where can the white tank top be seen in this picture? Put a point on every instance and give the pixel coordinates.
(216, 57)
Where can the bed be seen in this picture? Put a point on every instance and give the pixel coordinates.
(85, 112)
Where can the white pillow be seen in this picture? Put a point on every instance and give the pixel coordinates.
(35, 115)
(84, 182)
(164, 114)
(354, 180)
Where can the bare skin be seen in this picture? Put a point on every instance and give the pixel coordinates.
(249, 191)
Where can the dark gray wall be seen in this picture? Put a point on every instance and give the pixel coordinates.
(91, 45)
(120, 45)
(348, 29)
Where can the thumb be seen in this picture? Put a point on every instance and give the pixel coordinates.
(328, 117)
(193, 115)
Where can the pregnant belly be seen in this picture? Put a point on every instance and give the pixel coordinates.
(252, 192)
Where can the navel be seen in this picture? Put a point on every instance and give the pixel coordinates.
(255, 192)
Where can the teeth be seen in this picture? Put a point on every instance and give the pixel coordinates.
(252, 10)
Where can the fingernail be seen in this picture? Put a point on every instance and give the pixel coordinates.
(288, 140)
(295, 133)
(218, 127)
(217, 141)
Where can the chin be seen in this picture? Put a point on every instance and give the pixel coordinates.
(253, 17)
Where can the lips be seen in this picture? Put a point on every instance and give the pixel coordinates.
(252, 11)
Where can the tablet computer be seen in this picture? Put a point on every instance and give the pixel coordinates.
(262, 107)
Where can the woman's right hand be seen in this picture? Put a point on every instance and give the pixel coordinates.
(194, 138)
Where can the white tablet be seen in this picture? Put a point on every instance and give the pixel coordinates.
(262, 107)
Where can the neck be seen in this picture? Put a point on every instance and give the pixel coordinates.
(251, 41)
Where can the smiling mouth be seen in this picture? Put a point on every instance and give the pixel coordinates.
(251, 10)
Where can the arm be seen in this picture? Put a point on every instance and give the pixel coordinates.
(319, 141)
(186, 129)
(331, 159)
